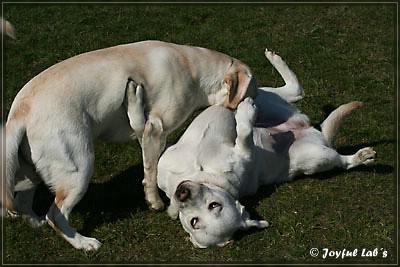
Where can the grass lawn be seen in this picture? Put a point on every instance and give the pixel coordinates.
(340, 53)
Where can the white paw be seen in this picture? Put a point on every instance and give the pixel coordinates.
(263, 224)
(367, 155)
(135, 93)
(12, 214)
(273, 57)
(173, 211)
(246, 112)
(36, 222)
(152, 198)
(156, 205)
(89, 244)
(154, 128)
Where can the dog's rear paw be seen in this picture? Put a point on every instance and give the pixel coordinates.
(273, 57)
(36, 222)
(367, 156)
(12, 214)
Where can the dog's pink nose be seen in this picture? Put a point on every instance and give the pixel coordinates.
(182, 193)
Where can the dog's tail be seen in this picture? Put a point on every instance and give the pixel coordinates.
(14, 134)
(7, 28)
(330, 125)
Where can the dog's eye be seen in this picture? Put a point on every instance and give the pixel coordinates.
(214, 205)
(193, 222)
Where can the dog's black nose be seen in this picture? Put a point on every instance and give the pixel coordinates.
(182, 193)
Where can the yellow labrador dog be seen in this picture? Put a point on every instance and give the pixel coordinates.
(141, 90)
(222, 157)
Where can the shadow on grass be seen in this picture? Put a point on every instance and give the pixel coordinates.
(106, 202)
(123, 195)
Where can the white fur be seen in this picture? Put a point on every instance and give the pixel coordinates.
(145, 90)
(222, 157)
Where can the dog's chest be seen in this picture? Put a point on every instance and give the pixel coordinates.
(225, 165)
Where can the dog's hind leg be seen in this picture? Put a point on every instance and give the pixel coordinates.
(364, 156)
(245, 117)
(309, 158)
(23, 204)
(27, 181)
(67, 195)
(292, 91)
(68, 174)
(57, 217)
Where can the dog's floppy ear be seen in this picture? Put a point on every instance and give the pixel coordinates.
(172, 210)
(247, 222)
(240, 84)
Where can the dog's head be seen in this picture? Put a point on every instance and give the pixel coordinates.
(210, 215)
(240, 83)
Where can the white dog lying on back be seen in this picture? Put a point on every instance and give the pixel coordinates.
(222, 157)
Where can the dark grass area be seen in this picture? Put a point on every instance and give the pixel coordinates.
(339, 52)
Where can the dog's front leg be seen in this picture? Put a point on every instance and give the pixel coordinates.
(135, 108)
(245, 118)
(153, 144)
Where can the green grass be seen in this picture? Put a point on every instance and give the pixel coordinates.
(340, 53)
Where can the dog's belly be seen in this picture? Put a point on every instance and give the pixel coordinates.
(115, 128)
(272, 155)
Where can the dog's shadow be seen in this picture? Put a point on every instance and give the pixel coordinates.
(105, 202)
(123, 195)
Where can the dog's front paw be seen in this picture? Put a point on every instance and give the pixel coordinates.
(173, 211)
(153, 200)
(246, 112)
(86, 243)
(156, 205)
(134, 93)
(135, 108)
(367, 156)
(245, 117)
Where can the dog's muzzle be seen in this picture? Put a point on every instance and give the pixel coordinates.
(182, 192)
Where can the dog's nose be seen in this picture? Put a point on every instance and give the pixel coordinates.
(182, 193)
